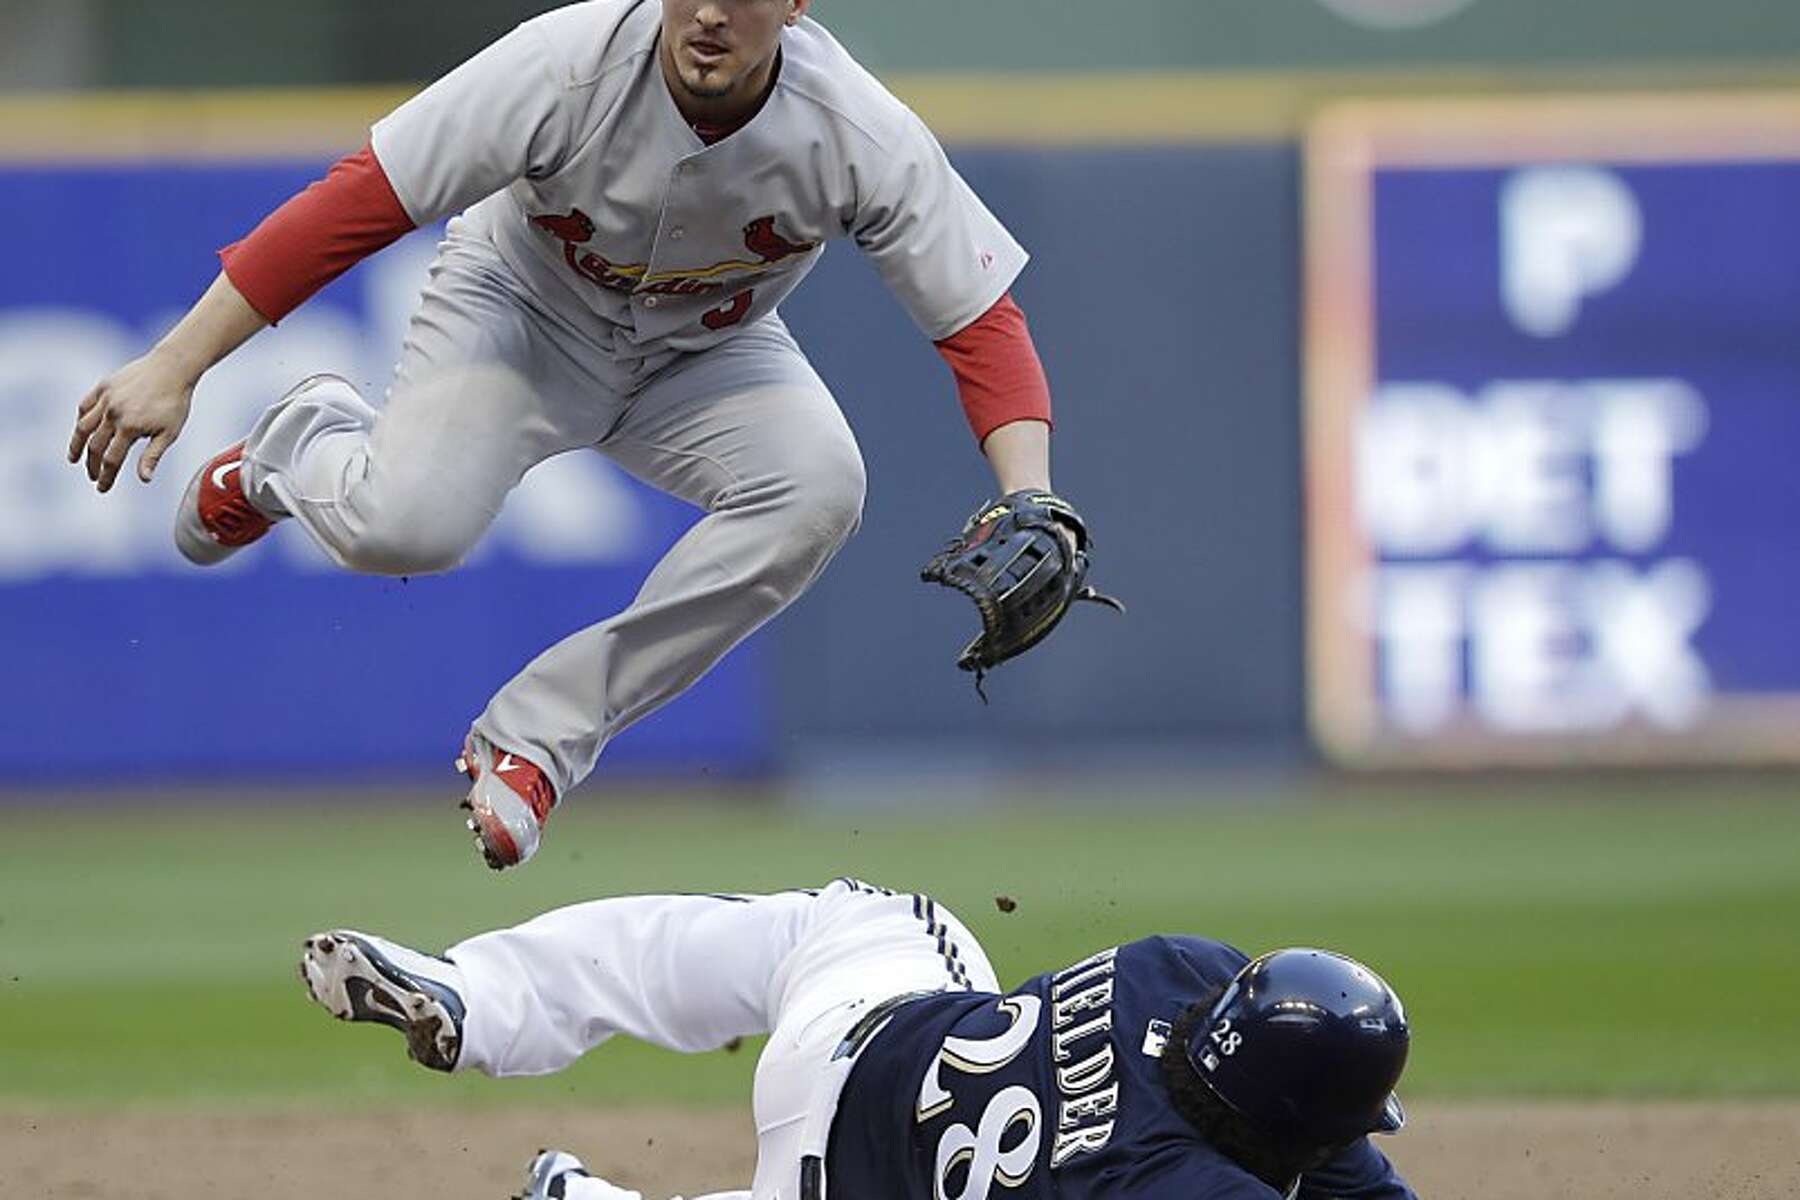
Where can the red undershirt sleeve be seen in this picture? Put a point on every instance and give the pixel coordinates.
(999, 378)
(317, 236)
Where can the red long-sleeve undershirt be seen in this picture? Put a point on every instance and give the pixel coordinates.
(317, 236)
(999, 377)
(354, 212)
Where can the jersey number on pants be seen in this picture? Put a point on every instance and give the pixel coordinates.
(1013, 1113)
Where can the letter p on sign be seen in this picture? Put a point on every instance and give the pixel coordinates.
(1566, 233)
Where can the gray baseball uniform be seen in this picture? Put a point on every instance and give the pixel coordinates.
(612, 282)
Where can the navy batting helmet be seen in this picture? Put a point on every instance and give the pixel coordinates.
(1306, 1045)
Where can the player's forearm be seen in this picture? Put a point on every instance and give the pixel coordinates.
(1019, 453)
(1000, 381)
(218, 323)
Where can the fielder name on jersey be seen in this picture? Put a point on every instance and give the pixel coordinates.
(1055, 1090)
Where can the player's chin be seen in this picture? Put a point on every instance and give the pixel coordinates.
(708, 82)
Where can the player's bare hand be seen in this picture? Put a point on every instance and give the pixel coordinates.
(145, 400)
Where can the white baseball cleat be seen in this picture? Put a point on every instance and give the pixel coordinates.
(509, 801)
(559, 1175)
(360, 977)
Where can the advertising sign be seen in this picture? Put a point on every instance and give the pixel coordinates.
(1553, 403)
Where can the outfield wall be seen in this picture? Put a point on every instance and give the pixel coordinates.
(1548, 370)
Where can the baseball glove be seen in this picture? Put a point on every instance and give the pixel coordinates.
(1015, 562)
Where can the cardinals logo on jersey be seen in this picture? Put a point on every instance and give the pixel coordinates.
(573, 231)
(762, 240)
(576, 229)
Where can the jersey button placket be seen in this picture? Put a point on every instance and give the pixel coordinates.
(683, 175)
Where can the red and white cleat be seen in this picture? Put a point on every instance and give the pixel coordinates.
(216, 518)
(510, 800)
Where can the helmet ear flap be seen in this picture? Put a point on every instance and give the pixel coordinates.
(1307, 1045)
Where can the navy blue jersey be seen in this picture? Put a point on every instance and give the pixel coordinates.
(1055, 1090)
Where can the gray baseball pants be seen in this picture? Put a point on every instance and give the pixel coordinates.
(488, 386)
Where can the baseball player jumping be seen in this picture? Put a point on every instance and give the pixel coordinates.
(639, 183)
(897, 1070)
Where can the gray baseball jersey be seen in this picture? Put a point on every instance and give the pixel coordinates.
(620, 219)
(606, 243)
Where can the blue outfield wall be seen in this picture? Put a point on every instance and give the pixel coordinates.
(1163, 295)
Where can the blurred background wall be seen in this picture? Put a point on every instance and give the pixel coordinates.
(192, 43)
(1150, 153)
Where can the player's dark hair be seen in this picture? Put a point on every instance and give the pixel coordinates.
(1227, 1131)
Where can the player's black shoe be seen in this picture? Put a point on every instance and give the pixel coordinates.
(359, 977)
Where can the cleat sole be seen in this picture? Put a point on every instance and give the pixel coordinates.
(354, 981)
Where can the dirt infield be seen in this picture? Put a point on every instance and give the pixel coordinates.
(1739, 1151)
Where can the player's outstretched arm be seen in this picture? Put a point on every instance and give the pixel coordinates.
(148, 398)
(1022, 559)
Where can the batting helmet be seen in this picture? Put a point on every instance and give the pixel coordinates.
(1306, 1045)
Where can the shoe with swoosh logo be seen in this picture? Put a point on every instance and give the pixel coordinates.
(360, 977)
(216, 519)
(509, 801)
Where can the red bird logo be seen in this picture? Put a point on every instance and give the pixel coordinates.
(576, 227)
(762, 240)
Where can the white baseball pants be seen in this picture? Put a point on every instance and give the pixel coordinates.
(692, 972)
(487, 387)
